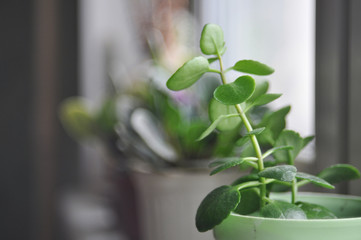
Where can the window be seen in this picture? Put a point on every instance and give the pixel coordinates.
(281, 34)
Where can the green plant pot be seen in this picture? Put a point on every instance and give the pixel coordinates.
(347, 227)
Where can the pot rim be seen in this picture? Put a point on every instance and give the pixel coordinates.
(308, 194)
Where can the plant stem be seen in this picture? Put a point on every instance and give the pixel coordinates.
(213, 70)
(252, 184)
(291, 161)
(223, 77)
(294, 182)
(294, 191)
(254, 140)
(257, 150)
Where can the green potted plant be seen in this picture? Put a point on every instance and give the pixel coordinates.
(250, 207)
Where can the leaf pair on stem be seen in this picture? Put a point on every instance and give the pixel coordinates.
(230, 110)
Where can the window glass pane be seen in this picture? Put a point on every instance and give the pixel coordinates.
(279, 33)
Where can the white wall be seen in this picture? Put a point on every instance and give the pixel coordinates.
(106, 29)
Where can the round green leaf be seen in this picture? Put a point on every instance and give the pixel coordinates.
(250, 201)
(253, 67)
(314, 211)
(339, 172)
(236, 92)
(307, 140)
(216, 207)
(284, 173)
(315, 180)
(261, 88)
(228, 164)
(283, 210)
(213, 59)
(217, 109)
(265, 99)
(274, 122)
(288, 138)
(188, 74)
(212, 40)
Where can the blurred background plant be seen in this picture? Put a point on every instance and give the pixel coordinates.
(149, 123)
(146, 122)
(143, 120)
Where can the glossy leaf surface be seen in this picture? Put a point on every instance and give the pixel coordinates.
(314, 211)
(307, 140)
(275, 122)
(261, 88)
(288, 138)
(250, 201)
(253, 67)
(235, 92)
(315, 180)
(284, 173)
(265, 99)
(211, 60)
(216, 207)
(188, 74)
(339, 173)
(232, 162)
(217, 109)
(283, 210)
(212, 40)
